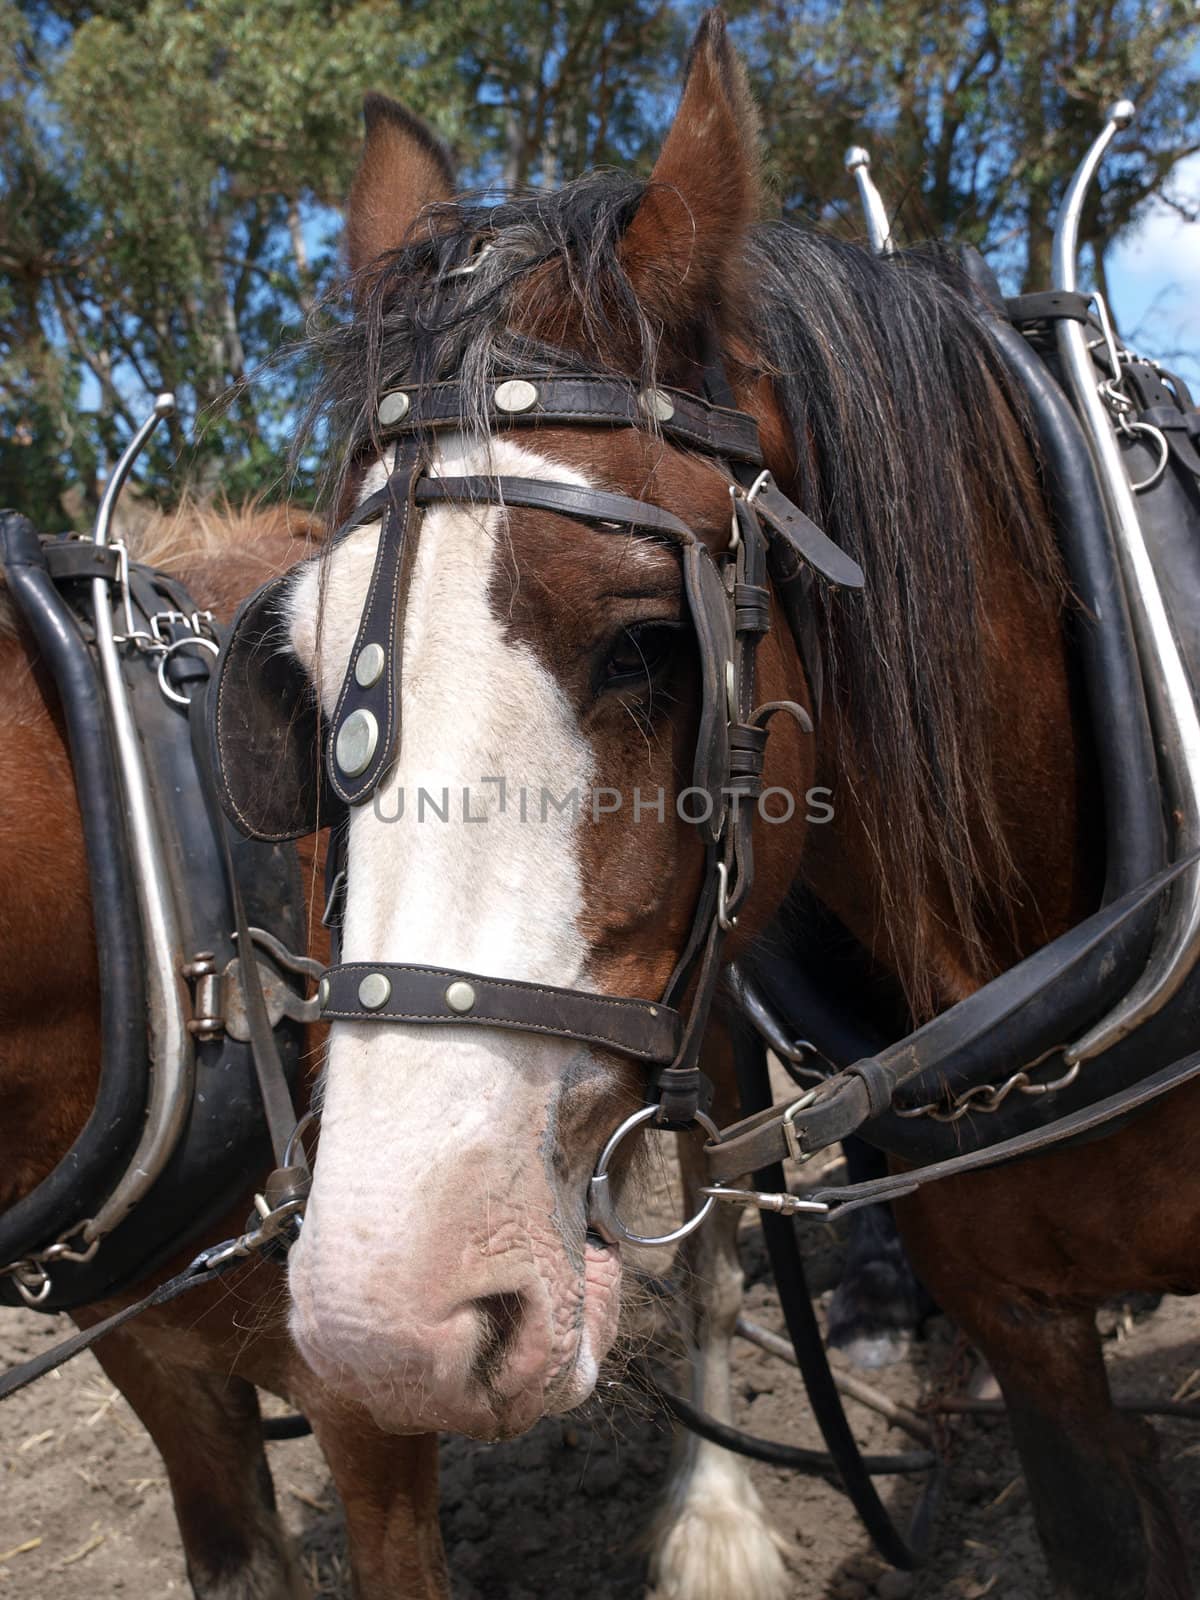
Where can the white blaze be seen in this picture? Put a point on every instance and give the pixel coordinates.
(419, 1120)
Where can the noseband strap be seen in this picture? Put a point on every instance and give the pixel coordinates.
(389, 992)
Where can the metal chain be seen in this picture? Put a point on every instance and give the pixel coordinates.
(989, 1097)
(30, 1275)
(1120, 404)
(159, 643)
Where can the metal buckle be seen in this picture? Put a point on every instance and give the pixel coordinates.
(727, 923)
(790, 1135)
(138, 637)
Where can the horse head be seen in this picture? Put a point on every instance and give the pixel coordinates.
(533, 822)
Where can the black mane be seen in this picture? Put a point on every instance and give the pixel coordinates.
(909, 452)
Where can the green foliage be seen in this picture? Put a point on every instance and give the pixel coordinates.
(170, 170)
(978, 111)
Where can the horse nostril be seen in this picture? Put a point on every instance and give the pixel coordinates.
(502, 1316)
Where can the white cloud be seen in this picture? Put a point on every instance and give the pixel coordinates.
(1154, 279)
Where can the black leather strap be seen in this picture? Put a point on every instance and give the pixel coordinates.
(1050, 305)
(382, 626)
(566, 499)
(273, 1088)
(193, 1276)
(787, 1264)
(1089, 1119)
(645, 1030)
(586, 398)
(80, 558)
(844, 1102)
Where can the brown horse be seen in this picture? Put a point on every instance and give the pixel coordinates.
(445, 1276)
(189, 1370)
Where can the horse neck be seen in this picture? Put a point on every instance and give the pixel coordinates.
(49, 1011)
(1040, 760)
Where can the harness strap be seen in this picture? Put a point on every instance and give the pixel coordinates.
(842, 1104)
(371, 699)
(795, 528)
(573, 399)
(200, 1271)
(852, 1197)
(360, 991)
(566, 499)
(1049, 305)
(787, 1264)
(80, 558)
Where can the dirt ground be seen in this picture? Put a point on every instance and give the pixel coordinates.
(85, 1511)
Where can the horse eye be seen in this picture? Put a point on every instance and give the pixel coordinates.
(638, 653)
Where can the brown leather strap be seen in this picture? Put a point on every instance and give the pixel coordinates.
(800, 531)
(590, 399)
(645, 1030)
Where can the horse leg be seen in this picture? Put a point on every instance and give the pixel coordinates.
(208, 1430)
(388, 1486)
(877, 1304)
(1104, 1517)
(711, 1538)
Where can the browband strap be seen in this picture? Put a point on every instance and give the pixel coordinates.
(525, 402)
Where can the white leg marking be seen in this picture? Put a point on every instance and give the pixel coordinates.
(711, 1538)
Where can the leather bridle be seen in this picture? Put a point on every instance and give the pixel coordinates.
(729, 604)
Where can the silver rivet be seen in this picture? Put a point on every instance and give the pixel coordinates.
(657, 405)
(460, 996)
(356, 741)
(394, 407)
(323, 993)
(374, 991)
(368, 669)
(515, 394)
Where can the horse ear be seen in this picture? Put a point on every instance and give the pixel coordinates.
(403, 168)
(682, 247)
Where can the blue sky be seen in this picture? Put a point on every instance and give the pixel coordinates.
(1154, 280)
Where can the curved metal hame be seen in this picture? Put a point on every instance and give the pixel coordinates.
(172, 1052)
(879, 229)
(1168, 690)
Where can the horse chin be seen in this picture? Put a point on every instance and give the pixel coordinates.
(600, 1311)
(595, 1319)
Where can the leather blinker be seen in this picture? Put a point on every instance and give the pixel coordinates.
(266, 725)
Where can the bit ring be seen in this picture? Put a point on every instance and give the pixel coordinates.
(602, 1211)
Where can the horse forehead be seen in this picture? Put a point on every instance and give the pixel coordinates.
(453, 566)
